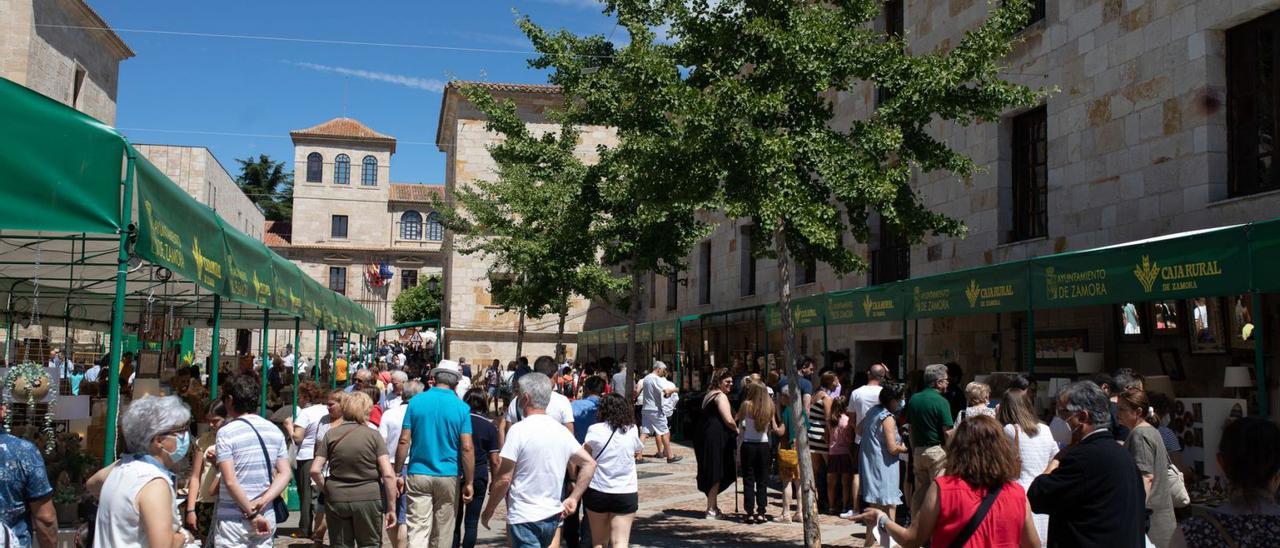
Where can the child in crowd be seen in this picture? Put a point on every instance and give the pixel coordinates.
(840, 462)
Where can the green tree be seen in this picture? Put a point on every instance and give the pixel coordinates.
(420, 302)
(533, 222)
(268, 185)
(648, 196)
(765, 76)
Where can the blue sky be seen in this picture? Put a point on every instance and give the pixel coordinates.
(195, 88)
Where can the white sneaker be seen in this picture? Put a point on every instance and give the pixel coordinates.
(848, 515)
(712, 514)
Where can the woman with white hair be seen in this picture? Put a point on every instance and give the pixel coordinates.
(138, 506)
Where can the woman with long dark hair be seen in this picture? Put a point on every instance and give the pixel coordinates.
(980, 463)
(715, 447)
(613, 496)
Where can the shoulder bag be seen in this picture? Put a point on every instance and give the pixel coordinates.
(278, 505)
(972, 527)
(1177, 487)
(606, 444)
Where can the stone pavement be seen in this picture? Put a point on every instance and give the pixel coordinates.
(671, 515)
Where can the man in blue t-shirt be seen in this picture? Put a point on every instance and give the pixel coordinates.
(26, 498)
(435, 436)
(804, 369)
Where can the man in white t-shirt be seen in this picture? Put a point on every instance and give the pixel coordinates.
(861, 401)
(558, 408)
(392, 421)
(653, 390)
(530, 479)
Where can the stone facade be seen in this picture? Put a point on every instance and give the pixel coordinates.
(201, 175)
(475, 328)
(48, 46)
(1136, 147)
(375, 232)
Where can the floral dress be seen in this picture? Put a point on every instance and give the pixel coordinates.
(1244, 530)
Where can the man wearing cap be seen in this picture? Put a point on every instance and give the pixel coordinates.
(653, 389)
(434, 437)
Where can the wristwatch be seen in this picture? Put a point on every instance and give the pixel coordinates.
(883, 521)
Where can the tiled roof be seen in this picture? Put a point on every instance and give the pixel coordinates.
(277, 234)
(414, 192)
(346, 128)
(510, 88)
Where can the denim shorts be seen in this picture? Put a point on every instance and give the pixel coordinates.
(534, 534)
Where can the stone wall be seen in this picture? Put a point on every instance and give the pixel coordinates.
(39, 51)
(369, 222)
(201, 175)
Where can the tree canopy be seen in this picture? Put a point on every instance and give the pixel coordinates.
(268, 185)
(419, 302)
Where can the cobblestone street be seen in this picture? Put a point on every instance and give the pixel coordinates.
(671, 514)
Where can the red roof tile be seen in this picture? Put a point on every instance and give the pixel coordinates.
(414, 192)
(510, 88)
(277, 234)
(345, 128)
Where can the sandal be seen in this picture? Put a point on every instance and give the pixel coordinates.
(785, 518)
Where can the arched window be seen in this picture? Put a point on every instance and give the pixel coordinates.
(315, 167)
(342, 170)
(411, 226)
(369, 174)
(435, 231)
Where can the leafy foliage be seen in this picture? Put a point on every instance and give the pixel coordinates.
(268, 186)
(419, 302)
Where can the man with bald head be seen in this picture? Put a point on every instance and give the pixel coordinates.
(861, 401)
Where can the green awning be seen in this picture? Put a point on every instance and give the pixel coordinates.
(1192, 264)
(1264, 247)
(805, 312)
(871, 304)
(406, 325)
(62, 169)
(177, 232)
(996, 288)
(250, 273)
(664, 331)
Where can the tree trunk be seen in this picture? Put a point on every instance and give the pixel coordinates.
(808, 496)
(520, 336)
(560, 350)
(637, 295)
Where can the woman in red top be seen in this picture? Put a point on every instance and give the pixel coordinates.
(979, 458)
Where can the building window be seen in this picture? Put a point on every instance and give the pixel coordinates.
(342, 170)
(315, 166)
(411, 226)
(704, 274)
(408, 279)
(435, 231)
(1037, 12)
(1252, 50)
(77, 86)
(747, 268)
(806, 271)
(338, 227)
(1030, 176)
(891, 259)
(673, 285)
(894, 26)
(369, 171)
(338, 279)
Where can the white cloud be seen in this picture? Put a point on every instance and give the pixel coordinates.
(426, 84)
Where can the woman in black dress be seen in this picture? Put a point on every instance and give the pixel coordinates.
(719, 438)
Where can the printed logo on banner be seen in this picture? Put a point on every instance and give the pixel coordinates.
(165, 243)
(1072, 285)
(876, 308)
(239, 278)
(1178, 277)
(983, 297)
(205, 265)
(933, 300)
(261, 290)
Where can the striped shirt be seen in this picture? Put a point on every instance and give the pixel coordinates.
(817, 427)
(236, 442)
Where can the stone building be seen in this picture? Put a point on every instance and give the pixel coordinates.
(63, 49)
(1162, 122)
(476, 327)
(350, 222)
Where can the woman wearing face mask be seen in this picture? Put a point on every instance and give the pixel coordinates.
(878, 454)
(139, 506)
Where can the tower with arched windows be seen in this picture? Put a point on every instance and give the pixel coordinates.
(351, 225)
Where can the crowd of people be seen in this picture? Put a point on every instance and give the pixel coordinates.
(420, 453)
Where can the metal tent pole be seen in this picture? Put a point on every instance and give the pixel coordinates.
(333, 359)
(315, 367)
(117, 313)
(265, 361)
(297, 341)
(1258, 349)
(215, 358)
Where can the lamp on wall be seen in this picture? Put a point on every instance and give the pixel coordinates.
(1237, 377)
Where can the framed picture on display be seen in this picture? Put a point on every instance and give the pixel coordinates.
(1171, 364)
(1207, 333)
(1167, 317)
(1240, 307)
(1132, 321)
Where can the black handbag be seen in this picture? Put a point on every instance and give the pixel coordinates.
(279, 506)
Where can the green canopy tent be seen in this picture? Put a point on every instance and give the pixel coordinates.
(94, 235)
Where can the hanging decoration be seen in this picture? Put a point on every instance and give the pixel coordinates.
(373, 276)
(30, 381)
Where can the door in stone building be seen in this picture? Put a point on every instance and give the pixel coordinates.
(888, 352)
